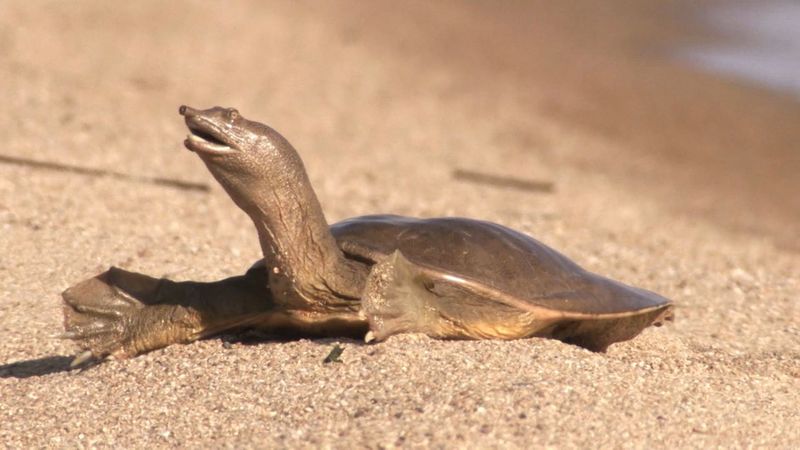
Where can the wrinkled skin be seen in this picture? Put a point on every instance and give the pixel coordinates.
(373, 275)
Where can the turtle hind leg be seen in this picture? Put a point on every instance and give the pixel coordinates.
(598, 334)
(575, 332)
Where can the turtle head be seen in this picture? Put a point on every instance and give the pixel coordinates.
(246, 157)
(220, 132)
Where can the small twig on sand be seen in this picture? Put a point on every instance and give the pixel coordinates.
(503, 181)
(334, 355)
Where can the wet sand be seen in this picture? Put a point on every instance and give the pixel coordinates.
(656, 175)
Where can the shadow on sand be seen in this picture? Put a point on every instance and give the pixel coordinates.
(92, 172)
(36, 367)
(56, 364)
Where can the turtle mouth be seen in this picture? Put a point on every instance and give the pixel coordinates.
(205, 138)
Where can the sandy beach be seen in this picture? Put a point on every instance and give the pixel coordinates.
(656, 174)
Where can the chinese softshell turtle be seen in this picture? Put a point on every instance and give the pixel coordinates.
(371, 276)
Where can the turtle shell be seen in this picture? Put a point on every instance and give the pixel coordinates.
(498, 260)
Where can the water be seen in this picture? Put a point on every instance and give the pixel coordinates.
(763, 45)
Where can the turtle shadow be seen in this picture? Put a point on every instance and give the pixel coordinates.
(253, 336)
(49, 365)
(36, 367)
(333, 347)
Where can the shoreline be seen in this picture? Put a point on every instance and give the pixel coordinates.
(703, 144)
(760, 44)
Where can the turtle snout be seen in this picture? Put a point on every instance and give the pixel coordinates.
(187, 111)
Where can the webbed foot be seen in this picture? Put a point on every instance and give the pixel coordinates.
(396, 301)
(117, 314)
(403, 297)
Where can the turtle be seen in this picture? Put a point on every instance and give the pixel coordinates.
(367, 277)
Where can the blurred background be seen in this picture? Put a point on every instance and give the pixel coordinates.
(692, 103)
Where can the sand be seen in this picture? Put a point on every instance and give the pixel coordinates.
(661, 176)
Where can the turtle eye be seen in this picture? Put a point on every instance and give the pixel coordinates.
(233, 114)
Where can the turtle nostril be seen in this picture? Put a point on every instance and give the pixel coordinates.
(182, 110)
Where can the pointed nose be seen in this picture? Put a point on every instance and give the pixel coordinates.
(186, 111)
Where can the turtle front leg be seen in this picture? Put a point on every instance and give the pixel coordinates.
(123, 314)
(402, 297)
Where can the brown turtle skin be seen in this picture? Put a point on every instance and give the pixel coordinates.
(451, 278)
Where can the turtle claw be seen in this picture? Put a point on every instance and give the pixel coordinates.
(369, 337)
(81, 358)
